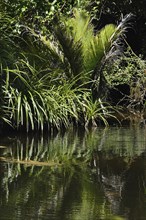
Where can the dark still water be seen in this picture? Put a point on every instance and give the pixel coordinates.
(92, 175)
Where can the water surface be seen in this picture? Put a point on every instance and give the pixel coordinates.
(97, 174)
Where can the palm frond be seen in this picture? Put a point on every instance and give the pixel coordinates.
(72, 51)
(99, 47)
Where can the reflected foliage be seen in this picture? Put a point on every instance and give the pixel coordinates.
(100, 172)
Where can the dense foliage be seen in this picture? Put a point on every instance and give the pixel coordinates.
(57, 63)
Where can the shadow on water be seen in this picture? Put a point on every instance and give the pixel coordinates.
(97, 174)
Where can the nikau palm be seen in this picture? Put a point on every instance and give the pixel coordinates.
(78, 51)
(96, 48)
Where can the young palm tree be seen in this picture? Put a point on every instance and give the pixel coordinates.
(78, 51)
(97, 48)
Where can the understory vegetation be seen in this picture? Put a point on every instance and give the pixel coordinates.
(57, 69)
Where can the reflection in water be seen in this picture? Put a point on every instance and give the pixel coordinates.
(100, 174)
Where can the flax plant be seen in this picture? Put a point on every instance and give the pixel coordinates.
(34, 103)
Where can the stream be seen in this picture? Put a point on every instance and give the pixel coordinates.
(97, 174)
